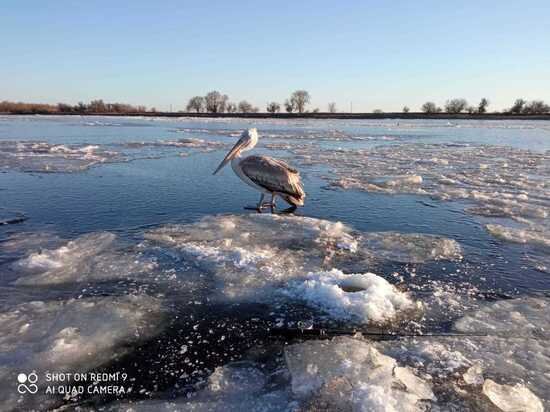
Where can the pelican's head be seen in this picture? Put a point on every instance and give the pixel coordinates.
(247, 141)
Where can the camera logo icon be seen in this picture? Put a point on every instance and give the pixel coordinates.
(27, 383)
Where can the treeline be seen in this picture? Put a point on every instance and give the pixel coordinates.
(95, 106)
(456, 106)
(215, 102)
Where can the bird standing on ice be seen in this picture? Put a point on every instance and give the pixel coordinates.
(265, 174)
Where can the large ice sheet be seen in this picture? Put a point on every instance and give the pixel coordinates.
(266, 257)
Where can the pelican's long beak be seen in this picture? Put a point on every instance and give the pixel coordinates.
(232, 153)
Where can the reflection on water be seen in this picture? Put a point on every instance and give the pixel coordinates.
(135, 258)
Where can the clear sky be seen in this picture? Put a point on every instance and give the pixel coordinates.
(376, 54)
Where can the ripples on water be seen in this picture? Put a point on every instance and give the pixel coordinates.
(120, 252)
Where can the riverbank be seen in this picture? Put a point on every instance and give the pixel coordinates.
(349, 116)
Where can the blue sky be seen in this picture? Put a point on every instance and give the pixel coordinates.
(375, 54)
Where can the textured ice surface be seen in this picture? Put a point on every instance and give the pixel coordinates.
(512, 398)
(515, 350)
(29, 156)
(516, 317)
(45, 157)
(234, 388)
(365, 295)
(91, 257)
(501, 182)
(256, 256)
(191, 145)
(70, 336)
(536, 235)
(348, 373)
(411, 247)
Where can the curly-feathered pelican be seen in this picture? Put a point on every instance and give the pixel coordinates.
(263, 173)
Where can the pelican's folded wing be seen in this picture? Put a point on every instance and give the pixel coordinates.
(274, 175)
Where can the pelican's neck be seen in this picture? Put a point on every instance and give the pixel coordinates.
(235, 162)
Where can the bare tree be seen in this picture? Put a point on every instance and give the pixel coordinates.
(231, 107)
(273, 107)
(378, 111)
(482, 106)
(97, 106)
(471, 109)
(289, 107)
(406, 109)
(536, 107)
(455, 106)
(216, 102)
(316, 110)
(245, 107)
(430, 108)
(517, 108)
(299, 100)
(196, 104)
(332, 107)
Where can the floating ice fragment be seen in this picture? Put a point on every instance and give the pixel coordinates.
(94, 256)
(512, 398)
(522, 317)
(411, 247)
(33, 156)
(514, 235)
(355, 375)
(474, 375)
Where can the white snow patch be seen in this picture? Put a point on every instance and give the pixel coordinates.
(365, 296)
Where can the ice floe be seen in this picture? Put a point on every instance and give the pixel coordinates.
(496, 181)
(517, 235)
(351, 374)
(254, 257)
(411, 247)
(234, 387)
(512, 398)
(75, 335)
(90, 257)
(506, 341)
(37, 156)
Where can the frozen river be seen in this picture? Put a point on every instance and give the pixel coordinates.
(122, 253)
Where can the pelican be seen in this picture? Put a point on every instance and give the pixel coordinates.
(267, 175)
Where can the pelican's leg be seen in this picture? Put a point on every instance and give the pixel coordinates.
(270, 204)
(261, 202)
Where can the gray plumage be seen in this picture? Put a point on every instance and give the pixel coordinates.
(275, 176)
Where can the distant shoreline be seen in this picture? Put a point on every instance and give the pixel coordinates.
(348, 116)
